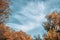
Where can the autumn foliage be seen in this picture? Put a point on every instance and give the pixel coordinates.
(4, 10)
(52, 26)
(7, 34)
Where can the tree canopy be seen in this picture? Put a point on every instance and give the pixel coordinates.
(4, 10)
(7, 34)
(53, 26)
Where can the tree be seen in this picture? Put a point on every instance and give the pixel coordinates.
(4, 10)
(37, 37)
(45, 37)
(53, 26)
(7, 34)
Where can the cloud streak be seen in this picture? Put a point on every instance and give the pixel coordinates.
(30, 16)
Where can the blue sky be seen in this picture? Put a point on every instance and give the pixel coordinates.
(29, 15)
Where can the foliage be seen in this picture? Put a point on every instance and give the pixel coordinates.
(37, 37)
(7, 34)
(4, 10)
(53, 26)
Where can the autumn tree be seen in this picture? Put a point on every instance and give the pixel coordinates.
(4, 10)
(5, 32)
(37, 37)
(53, 26)
(45, 37)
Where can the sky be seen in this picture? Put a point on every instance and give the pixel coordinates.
(29, 15)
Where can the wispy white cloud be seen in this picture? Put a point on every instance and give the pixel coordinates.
(32, 17)
(29, 15)
(25, 27)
